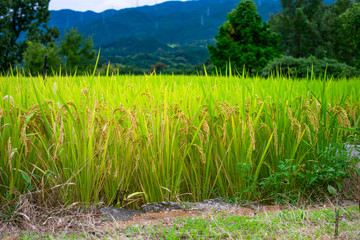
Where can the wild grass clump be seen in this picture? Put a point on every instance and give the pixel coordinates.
(80, 139)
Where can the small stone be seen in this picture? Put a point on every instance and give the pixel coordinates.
(153, 207)
(216, 204)
(121, 214)
(161, 207)
(174, 205)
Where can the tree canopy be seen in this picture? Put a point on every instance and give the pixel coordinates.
(312, 28)
(299, 24)
(244, 40)
(20, 18)
(34, 57)
(351, 23)
(77, 52)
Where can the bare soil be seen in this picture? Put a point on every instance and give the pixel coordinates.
(93, 221)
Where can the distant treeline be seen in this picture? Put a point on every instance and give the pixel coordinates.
(309, 36)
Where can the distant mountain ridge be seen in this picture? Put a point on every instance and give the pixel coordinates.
(174, 32)
(169, 22)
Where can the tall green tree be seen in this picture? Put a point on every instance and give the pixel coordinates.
(351, 24)
(20, 18)
(299, 24)
(77, 52)
(244, 40)
(311, 28)
(336, 38)
(34, 58)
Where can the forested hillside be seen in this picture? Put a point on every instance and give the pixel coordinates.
(170, 22)
(174, 32)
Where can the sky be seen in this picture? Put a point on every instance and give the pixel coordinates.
(100, 5)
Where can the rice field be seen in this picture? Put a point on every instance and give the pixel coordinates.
(82, 138)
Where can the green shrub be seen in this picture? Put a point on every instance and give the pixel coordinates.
(114, 69)
(335, 164)
(34, 58)
(303, 67)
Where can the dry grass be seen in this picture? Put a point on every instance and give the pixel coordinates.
(289, 223)
(27, 215)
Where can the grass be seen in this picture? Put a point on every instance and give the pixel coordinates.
(82, 138)
(287, 224)
(299, 224)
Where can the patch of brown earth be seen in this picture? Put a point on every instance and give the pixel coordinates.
(168, 218)
(95, 222)
(149, 219)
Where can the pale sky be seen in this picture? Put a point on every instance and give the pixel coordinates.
(100, 5)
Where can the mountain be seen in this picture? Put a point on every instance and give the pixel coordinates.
(169, 22)
(160, 30)
(133, 45)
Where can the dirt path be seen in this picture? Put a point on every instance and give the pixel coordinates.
(168, 218)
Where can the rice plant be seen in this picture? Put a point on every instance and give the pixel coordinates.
(83, 138)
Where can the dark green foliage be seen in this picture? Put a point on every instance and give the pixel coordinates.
(126, 52)
(244, 40)
(34, 58)
(4, 36)
(134, 70)
(335, 39)
(133, 45)
(142, 60)
(303, 67)
(158, 67)
(334, 165)
(168, 22)
(311, 28)
(114, 69)
(351, 23)
(19, 18)
(178, 59)
(127, 34)
(299, 24)
(77, 52)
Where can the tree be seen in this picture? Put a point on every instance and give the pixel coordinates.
(20, 18)
(244, 40)
(77, 52)
(336, 39)
(311, 28)
(158, 67)
(299, 24)
(351, 24)
(34, 57)
(3, 36)
(302, 67)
